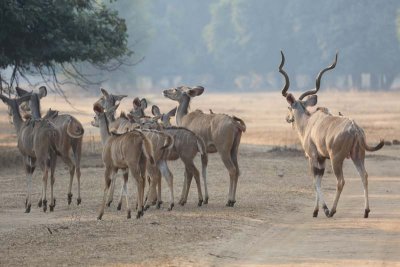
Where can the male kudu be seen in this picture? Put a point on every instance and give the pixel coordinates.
(326, 136)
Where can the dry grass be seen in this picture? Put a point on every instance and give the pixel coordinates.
(264, 113)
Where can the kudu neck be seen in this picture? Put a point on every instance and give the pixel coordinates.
(301, 119)
(17, 119)
(183, 109)
(104, 131)
(35, 106)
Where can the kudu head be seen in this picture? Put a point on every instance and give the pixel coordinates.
(13, 104)
(139, 105)
(33, 103)
(298, 107)
(181, 93)
(109, 100)
(98, 108)
(165, 118)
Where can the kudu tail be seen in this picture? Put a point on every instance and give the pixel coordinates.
(78, 131)
(239, 123)
(363, 142)
(147, 148)
(370, 148)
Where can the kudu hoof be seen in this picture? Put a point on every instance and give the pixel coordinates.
(52, 205)
(128, 216)
(39, 204)
(28, 208)
(139, 214)
(205, 200)
(100, 216)
(332, 213)
(78, 201)
(200, 203)
(44, 205)
(315, 213)
(119, 206)
(171, 206)
(366, 213)
(69, 198)
(158, 205)
(182, 202)
(230, 203)
(326, 210)
(146, 207)
(109, 203)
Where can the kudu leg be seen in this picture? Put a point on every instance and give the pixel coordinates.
(318, 173)
(359, 163)
(153, 178)
(29, 169)
(77, 151)
(338, 170)
(233, 176)
(317, 167)
(52, 199)
(111, 190)
(140, 180)
(107, 181)
(186, 186)
(123, 191)
(196, 175)
(44, 189)
(71, 167)
(170, 181)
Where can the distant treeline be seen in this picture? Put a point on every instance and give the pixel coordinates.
(235, 44)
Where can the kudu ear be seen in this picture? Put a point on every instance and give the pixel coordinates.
(97, 108)
(290, 98)
(195, 91)
(143, 103)
(136, 102)
(24, 98)
(311, 101)
(119, 97)
(20, 91)
(155, 110)
(104, 92)
(172, 112)
(42, 91)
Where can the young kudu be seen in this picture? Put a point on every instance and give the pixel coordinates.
(124, 151)
(187, 145)
(71, 135)
(221, 133)
(326, 136)
(37, 143)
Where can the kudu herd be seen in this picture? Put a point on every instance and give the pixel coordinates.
(143, 145)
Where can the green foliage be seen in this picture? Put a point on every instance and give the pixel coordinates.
(39, 36)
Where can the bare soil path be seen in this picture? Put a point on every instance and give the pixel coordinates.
(345, 240)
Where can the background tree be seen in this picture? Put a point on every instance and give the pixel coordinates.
(51, 38)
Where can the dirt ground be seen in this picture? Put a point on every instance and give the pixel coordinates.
(271, 223)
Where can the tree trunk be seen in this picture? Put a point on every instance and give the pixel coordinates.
(388, 80)
(356, 78)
